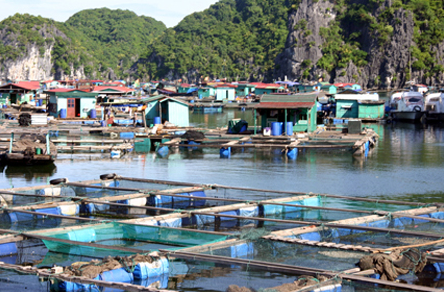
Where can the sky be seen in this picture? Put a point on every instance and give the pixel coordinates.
(170, 12)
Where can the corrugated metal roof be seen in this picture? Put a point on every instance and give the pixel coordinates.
(284, 105)
(289, 101)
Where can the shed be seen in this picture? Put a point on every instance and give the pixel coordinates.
(244, 88)
(352, 104)
(113, 90)
(302, 88)
(71, 103)
(267, 88)
(17, 93)
(205, 92)
(168, 109)
(300, 109)
(329, 89)
(224, 91)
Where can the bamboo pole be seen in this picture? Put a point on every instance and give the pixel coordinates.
(269, 266)
(88, 244)
(83, 280)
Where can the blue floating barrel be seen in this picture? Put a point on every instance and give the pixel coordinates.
(127, 135)
(292, 153)
(63, 113)
(8, 249)
(103, 123)
(117, 275)
(228, 222)
(225, 152)
(92, 114)
(276, 129)
(289, 128)
(200, 96)
(157, 121)
(192, 101)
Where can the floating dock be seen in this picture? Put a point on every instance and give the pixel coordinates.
(189, 228)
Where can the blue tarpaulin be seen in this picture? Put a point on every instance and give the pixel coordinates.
(192, 90)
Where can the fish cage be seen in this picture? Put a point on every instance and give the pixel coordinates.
(189, 236)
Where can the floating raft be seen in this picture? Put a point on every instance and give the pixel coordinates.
(358, 144)
(192, 225)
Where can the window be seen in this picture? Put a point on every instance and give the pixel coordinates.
(71, 103)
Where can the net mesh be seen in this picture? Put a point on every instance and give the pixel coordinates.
(142, 237)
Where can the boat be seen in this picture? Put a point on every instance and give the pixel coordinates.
(407, 106)
(29, 150)
(434, 107)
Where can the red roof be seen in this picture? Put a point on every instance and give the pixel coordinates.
(185, 85)
(29, 85)
(117, 88)
(260, 85)
(62, 90)
(343, 84)
(223, 85)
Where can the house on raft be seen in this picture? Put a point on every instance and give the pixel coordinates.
(224, 92)
(18, 93)
(166, 108)
(67, 103)
(267, 88)
(244, 88)
(293, 113)
(354, 104)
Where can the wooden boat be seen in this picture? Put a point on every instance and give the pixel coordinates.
(29, 150)
(28, 158)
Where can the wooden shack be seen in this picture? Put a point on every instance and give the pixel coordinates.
(300, 109)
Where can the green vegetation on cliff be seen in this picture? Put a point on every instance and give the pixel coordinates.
(115, 38)
(96, 40)
(233, 38)
(230, 39)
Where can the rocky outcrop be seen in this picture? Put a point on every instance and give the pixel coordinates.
(33, 66)
(304, 41)
(35, 61)
(388, 62)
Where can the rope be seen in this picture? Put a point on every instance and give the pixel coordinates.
(407, 247)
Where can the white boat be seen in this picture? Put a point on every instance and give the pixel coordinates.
(434, 106)
(408, 106)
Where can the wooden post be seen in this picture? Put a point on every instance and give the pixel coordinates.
(48, 148)
(160, 111)
(255, 121)
(10, 142)
(285, 120)
(144, 118)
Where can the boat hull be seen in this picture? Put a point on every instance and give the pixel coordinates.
(435, 117)
(19, 159)
(407, 116)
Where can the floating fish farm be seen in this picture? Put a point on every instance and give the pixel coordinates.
(132, 234)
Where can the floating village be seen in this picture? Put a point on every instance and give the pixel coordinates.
(134, 233)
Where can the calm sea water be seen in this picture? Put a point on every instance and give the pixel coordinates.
(407, 164)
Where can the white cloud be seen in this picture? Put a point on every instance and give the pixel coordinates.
(170, 12)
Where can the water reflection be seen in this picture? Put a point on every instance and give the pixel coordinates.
(29, 173)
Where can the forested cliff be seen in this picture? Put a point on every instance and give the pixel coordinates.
(96, 43)
(376, 43)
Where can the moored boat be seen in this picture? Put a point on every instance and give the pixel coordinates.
(30, 150)
(407, 106)
(434, 107)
